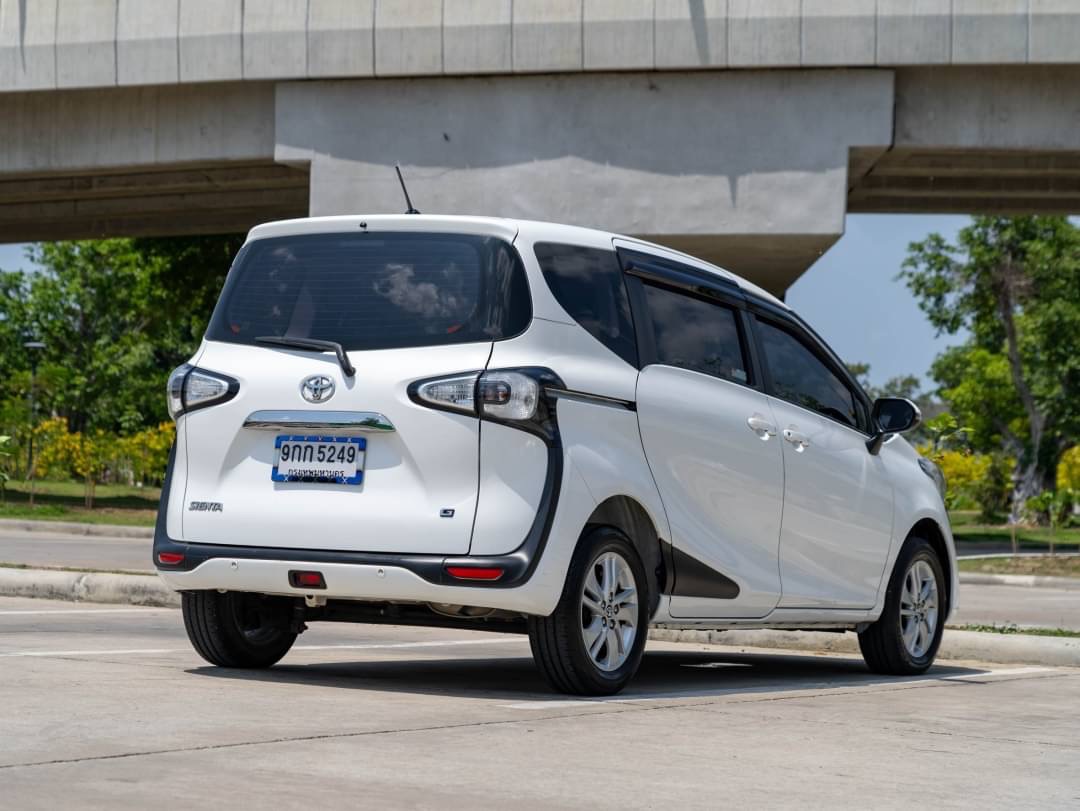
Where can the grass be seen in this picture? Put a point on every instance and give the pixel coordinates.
(966, 530)
(1015, 629)
(1048, 566)
(63, 501)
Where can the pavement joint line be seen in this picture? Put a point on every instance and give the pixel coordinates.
(617, 709)
(869, 684)
(45, 611)
(346, 646)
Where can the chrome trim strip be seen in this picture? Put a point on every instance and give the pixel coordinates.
(318, 421)
(593, 399)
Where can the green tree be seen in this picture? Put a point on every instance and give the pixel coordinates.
(1013, 284)
(116, 316)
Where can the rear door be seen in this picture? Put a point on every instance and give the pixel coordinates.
(711, 444)
(406, 307)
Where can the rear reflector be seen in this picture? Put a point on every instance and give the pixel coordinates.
(306, 580)
(474, 572)
(170, 558)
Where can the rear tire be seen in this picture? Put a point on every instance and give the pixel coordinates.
(593, 642)
(236, 629)
(905, 639)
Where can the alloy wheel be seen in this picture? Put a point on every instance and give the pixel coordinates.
(919, 608)
(609, 611)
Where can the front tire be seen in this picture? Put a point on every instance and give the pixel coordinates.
(905, 639)
(593, 642)
(236, 629)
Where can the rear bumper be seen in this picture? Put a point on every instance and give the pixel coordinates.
(361, 575)
(346, 581)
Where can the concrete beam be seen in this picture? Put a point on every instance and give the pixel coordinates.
(147, 44)
(341, 38)
(275, 38)
(1054, 31)
(209, 198)
(989, 31)
(764, 33)
(86, 43)
(690, 35)
(838, 32)
(28, 46)
(211, 40)
(547, 36)
(618, 34)
(477, 36)
(408, 38)
(911, 32)
(145, 126)
(1026, 108)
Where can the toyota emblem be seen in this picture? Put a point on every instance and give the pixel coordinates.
(317, 388)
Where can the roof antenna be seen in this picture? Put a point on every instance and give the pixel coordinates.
(401, 180)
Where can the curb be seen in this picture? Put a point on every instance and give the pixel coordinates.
(985, 647)
(91, 587)
(149, 590)
(1028, 580)
(73, 528)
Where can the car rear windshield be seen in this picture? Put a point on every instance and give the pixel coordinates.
(374, 291)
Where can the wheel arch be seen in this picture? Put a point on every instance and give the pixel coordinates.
(627, 515)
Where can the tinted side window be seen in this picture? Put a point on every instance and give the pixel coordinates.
(798, 376)
(694, 334)
(588, 283)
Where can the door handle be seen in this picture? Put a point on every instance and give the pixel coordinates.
(761, 426)
(797, 439)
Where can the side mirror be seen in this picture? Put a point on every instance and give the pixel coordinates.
(891, 415)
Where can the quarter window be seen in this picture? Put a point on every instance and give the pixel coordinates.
(694, 334)
(588, 283)
(801, 378)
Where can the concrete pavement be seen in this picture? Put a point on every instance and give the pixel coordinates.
(110, 707)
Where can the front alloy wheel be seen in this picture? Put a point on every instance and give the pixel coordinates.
(919, 609)
(905, 638)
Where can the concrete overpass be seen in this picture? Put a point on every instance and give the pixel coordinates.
(742, 130)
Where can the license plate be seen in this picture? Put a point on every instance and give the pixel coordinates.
(324, 459)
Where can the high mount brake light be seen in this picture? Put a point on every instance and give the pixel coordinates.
(191, 388)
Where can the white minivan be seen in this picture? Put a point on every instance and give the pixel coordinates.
(519, 426)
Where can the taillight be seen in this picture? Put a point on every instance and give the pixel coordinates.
(170, 558)
(454, 393)
(508, 395)
(191, 388)
(516, 397)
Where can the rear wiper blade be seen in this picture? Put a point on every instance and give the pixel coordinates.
(313, 343)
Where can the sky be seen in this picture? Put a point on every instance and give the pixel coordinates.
(850, 295)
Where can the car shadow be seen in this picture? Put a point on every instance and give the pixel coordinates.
(664, 674)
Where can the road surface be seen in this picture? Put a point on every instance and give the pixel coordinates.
(109, 707)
